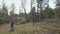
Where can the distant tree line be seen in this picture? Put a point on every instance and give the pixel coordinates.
(40, 15)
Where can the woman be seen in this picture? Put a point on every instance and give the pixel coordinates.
(12, 23)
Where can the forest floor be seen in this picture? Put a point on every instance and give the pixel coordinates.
(38, 28)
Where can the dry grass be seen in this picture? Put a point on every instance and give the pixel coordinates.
(46, 27)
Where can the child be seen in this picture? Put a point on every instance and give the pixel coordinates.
(12, 23)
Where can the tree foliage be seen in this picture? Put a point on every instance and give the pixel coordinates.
(12, 9)
(57, 9)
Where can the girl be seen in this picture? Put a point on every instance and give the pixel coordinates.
(12, 23)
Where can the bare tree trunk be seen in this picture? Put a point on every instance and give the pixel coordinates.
(23, 5)
(41, 12)
(38, 16)
(26, 15)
